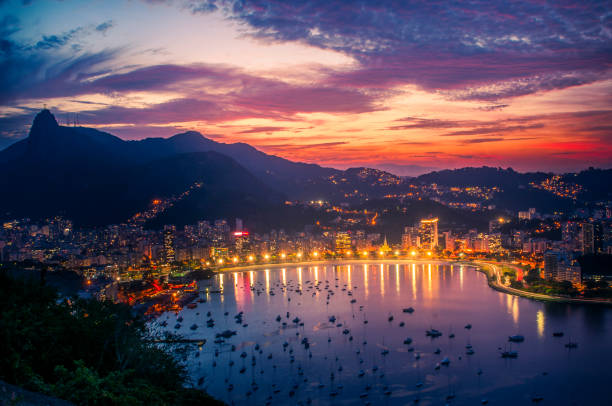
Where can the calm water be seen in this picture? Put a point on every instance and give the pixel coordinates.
(444, 297)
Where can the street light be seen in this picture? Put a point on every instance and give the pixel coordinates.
(220, 261)
(413, 253)
(266, 257)
(251, 258)
(283, 255)
(299, 255)
(235, 259)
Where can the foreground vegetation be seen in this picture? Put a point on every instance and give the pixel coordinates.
(85, 351)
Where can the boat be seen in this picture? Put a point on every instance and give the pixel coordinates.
(194, 326)
(192, 305)
(571, 344)
(226, 334)
(509, 354)
(408, 340)
(516, 338)
(408, 310)
(433, 333)
(558, 334)
(445, 361)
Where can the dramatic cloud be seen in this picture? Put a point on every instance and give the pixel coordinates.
(406, 85)
(484, 50)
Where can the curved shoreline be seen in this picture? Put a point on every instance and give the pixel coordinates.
(494, 283)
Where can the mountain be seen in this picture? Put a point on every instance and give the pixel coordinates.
(484, 176)
(47, 140)
(96, 178)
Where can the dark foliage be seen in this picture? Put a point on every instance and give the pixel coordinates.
(84, 351)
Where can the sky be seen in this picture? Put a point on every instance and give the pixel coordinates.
(404, 86)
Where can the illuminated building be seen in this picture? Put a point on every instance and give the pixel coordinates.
(220, 233)
(558, 267)
(587, 238)
(449, 241)
(219, 252)
(385, 249)
(343, 242)
(494, 242)
(428, 233)
(409, 238)
(169, 252)
(241, 242)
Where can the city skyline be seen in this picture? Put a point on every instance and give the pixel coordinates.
(406, 89)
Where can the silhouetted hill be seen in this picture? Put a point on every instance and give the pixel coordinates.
(483, 176)
(95, 178)
(49, 141)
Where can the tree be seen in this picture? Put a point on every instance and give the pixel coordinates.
(85, 351)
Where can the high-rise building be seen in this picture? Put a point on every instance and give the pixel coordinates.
(343, 242)
(494, 242)
(598, 237)
(449, 241)
(238, 224)
(587, 238)
(241, 242)
(169, 250)
(428, 233)
(558, 267)
(409, 238)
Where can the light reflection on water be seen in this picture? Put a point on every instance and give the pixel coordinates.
(442, 298)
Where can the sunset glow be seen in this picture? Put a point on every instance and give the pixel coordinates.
(408, 90)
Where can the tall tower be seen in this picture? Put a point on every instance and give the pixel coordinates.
(169, 252)
(428, 233)
(587, 238)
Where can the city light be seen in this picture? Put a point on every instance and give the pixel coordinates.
(266, 257)
(413, 253)
(299, 255)
(220, 261)
(235, 259)
(283, 255)
(396, 252)
(364, 253)
(381, 253)
(315, 254)
(429, 253)
(349, 253)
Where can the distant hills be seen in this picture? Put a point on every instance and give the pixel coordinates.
(96, 178)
